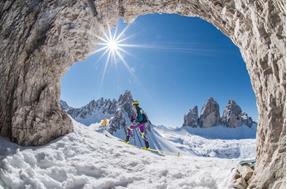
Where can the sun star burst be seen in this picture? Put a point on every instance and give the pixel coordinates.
(111, 45)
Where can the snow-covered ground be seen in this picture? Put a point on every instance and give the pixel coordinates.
(89, 159)
(216, 141)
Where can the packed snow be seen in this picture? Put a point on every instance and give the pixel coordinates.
(88, 159)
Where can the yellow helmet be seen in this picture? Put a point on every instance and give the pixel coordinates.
(135, 103)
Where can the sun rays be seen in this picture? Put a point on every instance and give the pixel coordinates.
(113, 46)
(110, 45)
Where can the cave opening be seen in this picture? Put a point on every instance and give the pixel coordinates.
(58, 34)
(165, 67)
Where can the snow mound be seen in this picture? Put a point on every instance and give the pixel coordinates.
(88, 159)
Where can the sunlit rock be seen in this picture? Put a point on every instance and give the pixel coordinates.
(234, 117)
(209, 115)
(191, 118)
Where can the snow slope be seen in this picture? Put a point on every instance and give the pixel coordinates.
(209, 143)
(89, 159)
(223, 132)
(206, 142)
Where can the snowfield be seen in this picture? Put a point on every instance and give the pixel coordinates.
(216, 141)
(89, 159)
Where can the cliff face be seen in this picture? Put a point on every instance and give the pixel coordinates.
(209, 117)
(234, 117)
(191, 118)
(41, 39)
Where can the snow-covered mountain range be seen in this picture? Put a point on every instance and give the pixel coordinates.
(96, 110)
(209, 125)
(120, 110)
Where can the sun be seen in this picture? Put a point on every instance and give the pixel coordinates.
(113, 45)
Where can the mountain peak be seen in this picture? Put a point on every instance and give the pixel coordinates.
(191, 118)
(126, 96)
(99, 109)
(210, 116)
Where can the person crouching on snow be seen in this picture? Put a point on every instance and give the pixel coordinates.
(139, 119)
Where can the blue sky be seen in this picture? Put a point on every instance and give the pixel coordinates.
(187, 61)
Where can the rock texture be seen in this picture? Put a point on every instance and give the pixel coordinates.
(41, 39)
(241, 176)
(232, 116)
(209, 115)
(191, 118)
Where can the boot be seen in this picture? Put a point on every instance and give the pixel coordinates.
(146, 144)
(127, 139)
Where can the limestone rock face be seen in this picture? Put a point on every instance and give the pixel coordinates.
(209, 115)
(246, 172)
(231, 114)
(246, 120)
(40, 40)
(240, 183)
(234, 117)
(191, 118)
(241, 176)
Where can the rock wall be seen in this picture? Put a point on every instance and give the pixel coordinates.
(41, 39)
(209, 115)
(234, 117)
(191, 118)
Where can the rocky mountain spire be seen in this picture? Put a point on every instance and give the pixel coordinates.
(125, 102)
(210, 115)
(118, 111)
(231, 114)
(191, 118)
(232, 117)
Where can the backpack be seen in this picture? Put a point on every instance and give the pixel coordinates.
(145, 119)
(141, 116)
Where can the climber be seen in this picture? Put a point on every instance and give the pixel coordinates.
(139, 120)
